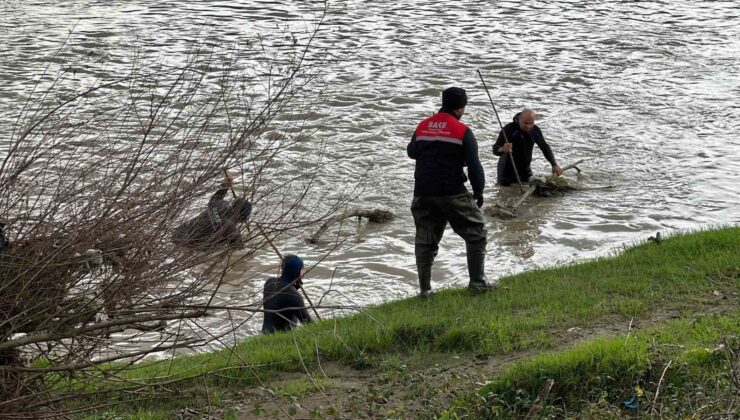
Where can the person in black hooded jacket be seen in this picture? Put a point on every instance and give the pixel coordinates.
(522, 134)
(283, 304)
(218, 224)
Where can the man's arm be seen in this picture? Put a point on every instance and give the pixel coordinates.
(297, 301)
(498, 147)
(219, 195)
(217, 208)
(475, 169)
(221, 192)
(411, 147)
(304, 316)
(547, 151)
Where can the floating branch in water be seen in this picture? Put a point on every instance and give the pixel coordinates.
(373, 215)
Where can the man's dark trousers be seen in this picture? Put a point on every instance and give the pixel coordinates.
(431, 215)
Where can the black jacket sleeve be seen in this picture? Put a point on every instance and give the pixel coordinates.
(544, 147)
(498, 147)
(304, 316)
(411, 147)
(296, 301)
(475, 169)
(219, 195)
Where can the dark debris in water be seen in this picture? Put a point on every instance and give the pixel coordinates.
(551, 187)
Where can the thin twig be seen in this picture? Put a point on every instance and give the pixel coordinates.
(541, 398)
(310, 303)
(208, 395)
(733, 370)
(629, 330)
(657, 390)
(269, 241)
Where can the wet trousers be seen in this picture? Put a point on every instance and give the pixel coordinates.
(431, 215)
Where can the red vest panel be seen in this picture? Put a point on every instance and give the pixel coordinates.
(441, 127)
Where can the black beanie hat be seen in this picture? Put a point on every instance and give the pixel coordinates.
(454, 98)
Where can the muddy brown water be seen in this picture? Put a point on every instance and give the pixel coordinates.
(647, 92)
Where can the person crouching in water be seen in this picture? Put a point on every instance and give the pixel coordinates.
(284, 306)
(218, 224)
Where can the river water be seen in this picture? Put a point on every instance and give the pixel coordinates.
(647, 92)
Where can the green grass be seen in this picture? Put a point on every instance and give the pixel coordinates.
(529, 311)
(681, 273)
(596, 378)
(302, 386)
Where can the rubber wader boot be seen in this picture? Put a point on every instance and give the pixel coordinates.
(425, 280)
(476, 269)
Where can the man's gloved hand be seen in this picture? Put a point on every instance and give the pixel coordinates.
(479, 201)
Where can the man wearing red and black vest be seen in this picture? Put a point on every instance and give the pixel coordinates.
(442, 146)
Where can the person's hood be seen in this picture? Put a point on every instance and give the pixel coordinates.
(242, 207)
(292, 265)
(516, 117)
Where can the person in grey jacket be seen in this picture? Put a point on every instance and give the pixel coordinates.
(218, 224)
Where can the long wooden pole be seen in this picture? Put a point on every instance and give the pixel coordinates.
(226, 173)
(511, 155)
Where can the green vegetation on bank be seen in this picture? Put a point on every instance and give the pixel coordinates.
(697, 360)
(687, 273)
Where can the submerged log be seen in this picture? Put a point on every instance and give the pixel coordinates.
(373, 215)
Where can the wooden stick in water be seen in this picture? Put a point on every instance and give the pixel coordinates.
(374, 215)
(524, 196)
(573, 165)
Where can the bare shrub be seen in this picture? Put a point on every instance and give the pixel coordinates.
(96, 179)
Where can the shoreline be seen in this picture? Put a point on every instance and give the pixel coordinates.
(330, 367)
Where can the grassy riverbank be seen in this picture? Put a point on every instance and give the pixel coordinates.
(399, 357)
(686, 368)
